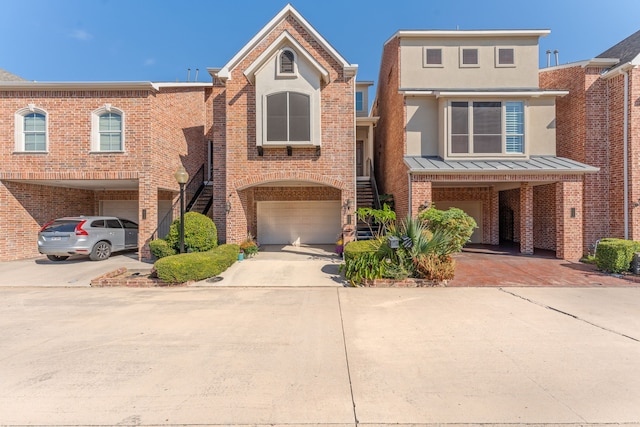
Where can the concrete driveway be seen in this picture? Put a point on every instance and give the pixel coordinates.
(284, 266)
(319, 356)
(76, 271)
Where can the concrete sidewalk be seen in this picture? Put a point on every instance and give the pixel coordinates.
(319, 356)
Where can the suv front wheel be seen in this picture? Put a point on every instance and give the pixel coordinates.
(100, 251)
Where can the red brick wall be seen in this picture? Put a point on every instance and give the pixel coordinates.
(244, 168)
(482, 194)
(544, 217)
(390, 143)
(634, 152)
(161, 130)
(568, 227)
(582, 134)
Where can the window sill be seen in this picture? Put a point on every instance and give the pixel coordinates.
(289, 143)
(30, 152)
(107, 152)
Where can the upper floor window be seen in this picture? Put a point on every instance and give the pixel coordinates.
(359, 101)
(432, 57)
(31, 130)
(287, 66)
(468, 57)
(288, 117)
(487, 127)
(107, 129)
(505, 57)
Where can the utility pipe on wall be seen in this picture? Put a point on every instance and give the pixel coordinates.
(625, 137)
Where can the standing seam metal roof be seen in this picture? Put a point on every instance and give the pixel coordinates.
(545, 164)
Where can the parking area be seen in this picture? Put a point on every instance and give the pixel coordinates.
(76, 271)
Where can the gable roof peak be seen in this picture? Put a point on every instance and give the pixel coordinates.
(288, 10)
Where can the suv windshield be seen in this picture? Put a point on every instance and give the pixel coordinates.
(62, 226)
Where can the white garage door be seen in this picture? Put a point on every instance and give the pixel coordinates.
(306, 222)
(471, 208)
(127, 209)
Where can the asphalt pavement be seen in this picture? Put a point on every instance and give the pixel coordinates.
(319, 356)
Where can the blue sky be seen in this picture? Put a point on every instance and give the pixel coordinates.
(158, 40)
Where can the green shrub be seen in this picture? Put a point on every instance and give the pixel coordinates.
(615, 255)
(361, 261)
(200, 233)
(160, 248)
(454, 222)
(249, 247)
(196, 266)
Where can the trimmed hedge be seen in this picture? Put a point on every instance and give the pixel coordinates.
(160, 248)
(361, 262)
(615, 255)
(197, 265)
(200, 233)
(354, 249)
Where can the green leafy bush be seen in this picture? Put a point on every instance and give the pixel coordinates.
(160, 248)
(454, 222)
(615, 255)
(200, 233)
(361, 261)
(249, 248)
(196, 266)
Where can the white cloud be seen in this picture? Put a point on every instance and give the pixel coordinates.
(81, 35)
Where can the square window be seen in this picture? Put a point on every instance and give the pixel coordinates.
(505, 57)
(432, 57)
(469, 57)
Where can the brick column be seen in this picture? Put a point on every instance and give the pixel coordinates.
(569, 220)
(495, 217)
(421, 193)
(147, 223)
(526, 218)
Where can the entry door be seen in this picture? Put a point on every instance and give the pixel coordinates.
(359, 158)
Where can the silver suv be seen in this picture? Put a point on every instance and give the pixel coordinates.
(96, 236)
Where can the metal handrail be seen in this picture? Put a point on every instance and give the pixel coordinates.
(190, 192)
(374, 186)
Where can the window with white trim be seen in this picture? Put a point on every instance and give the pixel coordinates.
(31, 127)
(469, 57)
(505, 57)
(107, 129)
(286, 64)
(432, 57)
(359, 101)
(486, 127)
(288, 117)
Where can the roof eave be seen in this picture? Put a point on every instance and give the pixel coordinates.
(29, 85)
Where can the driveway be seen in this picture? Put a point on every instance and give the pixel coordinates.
(319, 356)
(76, 271)
(284, 266)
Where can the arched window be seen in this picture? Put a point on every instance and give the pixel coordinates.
(287, 60)
(110, 129)
(107, 129)
(31, 130)
(288, 117)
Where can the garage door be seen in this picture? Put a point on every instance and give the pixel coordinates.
(307, 222)
(471, 208)
(127, 209)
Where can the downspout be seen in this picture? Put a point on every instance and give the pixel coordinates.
(410, 195)
(625, 138)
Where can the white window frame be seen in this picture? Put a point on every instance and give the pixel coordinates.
(279, 72)
(503, 124)
(359, 92)
(461, 54)
(424, 57)
(497, 57)
(19, 128)
(95, 128)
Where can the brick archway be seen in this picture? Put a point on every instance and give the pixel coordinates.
(275, 177)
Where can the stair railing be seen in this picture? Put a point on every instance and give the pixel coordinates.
(191, 192)
(374, 186)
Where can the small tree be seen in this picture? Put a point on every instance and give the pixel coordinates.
(380, 218)
(454, 222)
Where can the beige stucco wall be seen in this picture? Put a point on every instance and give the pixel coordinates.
(541, 125)
(307, 81)
(364, 88)
(414, 75)
(427, 129)
(422, 126)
